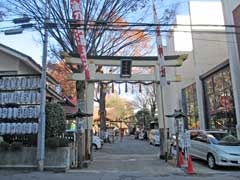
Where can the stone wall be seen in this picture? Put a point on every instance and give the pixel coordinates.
(27, 158)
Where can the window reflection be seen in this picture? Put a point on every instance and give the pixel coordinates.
(219, 101)
(190, 106)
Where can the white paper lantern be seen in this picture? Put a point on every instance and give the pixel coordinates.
(3, 128)
(8, 128)
(34, 128)
(13, 128)
(1, 83)
(4, 113)
(0, 113)
(15, 113)
(10, 113)
(24, 128)
(19, 113)
(23, 83)
(19, 81)
(18, 128)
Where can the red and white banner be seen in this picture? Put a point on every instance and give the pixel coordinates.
(77, 14)
(163, 81)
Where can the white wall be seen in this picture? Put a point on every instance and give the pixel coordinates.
(228, 7)
(11, 63)
(209, 50)
(7, 63)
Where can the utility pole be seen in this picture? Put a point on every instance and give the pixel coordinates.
(42, 122)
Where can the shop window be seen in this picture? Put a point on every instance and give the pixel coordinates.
(220, 112)
(190, 107)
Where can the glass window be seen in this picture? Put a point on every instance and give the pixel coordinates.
(190, 106)
(209, 86)
(219, 102)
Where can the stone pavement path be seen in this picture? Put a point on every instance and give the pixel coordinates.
(130, 160)
(130, 155)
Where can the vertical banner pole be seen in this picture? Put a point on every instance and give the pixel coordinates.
(163, 83)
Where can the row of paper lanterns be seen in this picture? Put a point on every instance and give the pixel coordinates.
(15, 83)
(18, 128)
(20, 98)
(19, 113)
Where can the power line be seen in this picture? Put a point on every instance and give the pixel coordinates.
(3, 29)
(136, 24)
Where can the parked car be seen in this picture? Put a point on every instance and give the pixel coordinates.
(97, 142)
(154, 137)
(216, 147)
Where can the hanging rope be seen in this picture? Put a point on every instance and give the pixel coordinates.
(131, 82)
(140, 88)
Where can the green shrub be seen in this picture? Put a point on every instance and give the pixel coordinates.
(52, 142)
(16, 146)
(4, 146)
(55, 120)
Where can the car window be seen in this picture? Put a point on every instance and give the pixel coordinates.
(202, 138)
(218, 135)
(223, 139)
(229, 140)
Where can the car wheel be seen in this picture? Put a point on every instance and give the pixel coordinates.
(211, 161)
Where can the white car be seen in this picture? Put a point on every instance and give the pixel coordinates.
(216, 147)
(97, 142)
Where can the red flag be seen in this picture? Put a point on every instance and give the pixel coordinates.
(79, 35)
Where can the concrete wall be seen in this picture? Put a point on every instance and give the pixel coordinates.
(228, 7)
(27, 158)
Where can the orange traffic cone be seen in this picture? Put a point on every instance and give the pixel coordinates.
(181, 159)
(190, 166)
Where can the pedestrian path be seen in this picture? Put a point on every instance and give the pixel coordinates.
(132, 156)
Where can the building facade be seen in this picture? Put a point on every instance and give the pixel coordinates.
(13, 62)
(206, 92)
(231, 11)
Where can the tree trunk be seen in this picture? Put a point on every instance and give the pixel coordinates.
(102, 111)
(80, 85)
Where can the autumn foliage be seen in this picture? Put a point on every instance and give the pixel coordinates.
(60, 72)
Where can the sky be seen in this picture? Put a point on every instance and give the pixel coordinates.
(30, 42)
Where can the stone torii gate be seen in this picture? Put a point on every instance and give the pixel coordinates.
(146, 62)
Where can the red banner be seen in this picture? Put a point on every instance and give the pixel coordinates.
(163, 80)
(79, 35)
